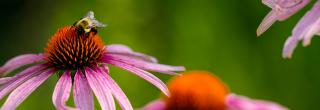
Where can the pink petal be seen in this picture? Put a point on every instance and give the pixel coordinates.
(235, 102)
(267, 22)
(5, 80)
(101, 91)
(143, 74)
(281, 10)
(20, 78)
(62, 92)
(126, 51)
(20, 61)
(289, 46)
(314, 29)
(303, 30)
(284, 4)
(287, 8)
(303, 25)
(270, 3)
(144, 65)
(115, 89)
(155, 105)
(24, 90)
(82, 93)
(313, 21)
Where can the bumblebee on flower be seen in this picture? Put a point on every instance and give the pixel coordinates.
(80, 58)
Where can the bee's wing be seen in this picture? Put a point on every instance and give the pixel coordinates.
(90, 15)
(95, 23)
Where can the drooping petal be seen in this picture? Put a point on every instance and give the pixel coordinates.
(143, 74)
(289, 46)
(20, 61)
(155, 105)
(82, 93)
(62, 92)
(144, 65)
(101, 91)
(5, 80)
(313, 21)
(281, 10)
(303, 25)
(235, 102)
(267, 22)
(126, 51)
(20, 78)
(115, 89)
(314, 29)
(24, 90)
(303, 30)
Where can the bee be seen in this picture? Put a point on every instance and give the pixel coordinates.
(88, 24)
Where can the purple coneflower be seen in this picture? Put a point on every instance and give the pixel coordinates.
(306, 28)
(200, 90)
(77, 54)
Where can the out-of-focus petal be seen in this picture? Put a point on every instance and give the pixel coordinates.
(284, 4)
(115, 89)
(314, 29)
(313, 19)
(143, 74)
(270, 3)
(267, 22)
(126, 51)
(289, 46)
(82, 93)
(305, 29)
(309, 18)
(20, 61)
(18, 79)
(101, 91)
(5, 80)
(235, 102)
(144, 65)
(287, 8)
(62, 92)
(24, 90)
(155, 105)
(281, 10)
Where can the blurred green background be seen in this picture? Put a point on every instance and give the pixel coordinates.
(214, 35)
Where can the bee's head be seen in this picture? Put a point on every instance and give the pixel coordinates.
(88, 23)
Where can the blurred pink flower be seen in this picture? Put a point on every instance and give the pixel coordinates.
(78, 55)
(199, 90)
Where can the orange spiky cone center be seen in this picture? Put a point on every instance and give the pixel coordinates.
(197, 90)
(70, 48)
